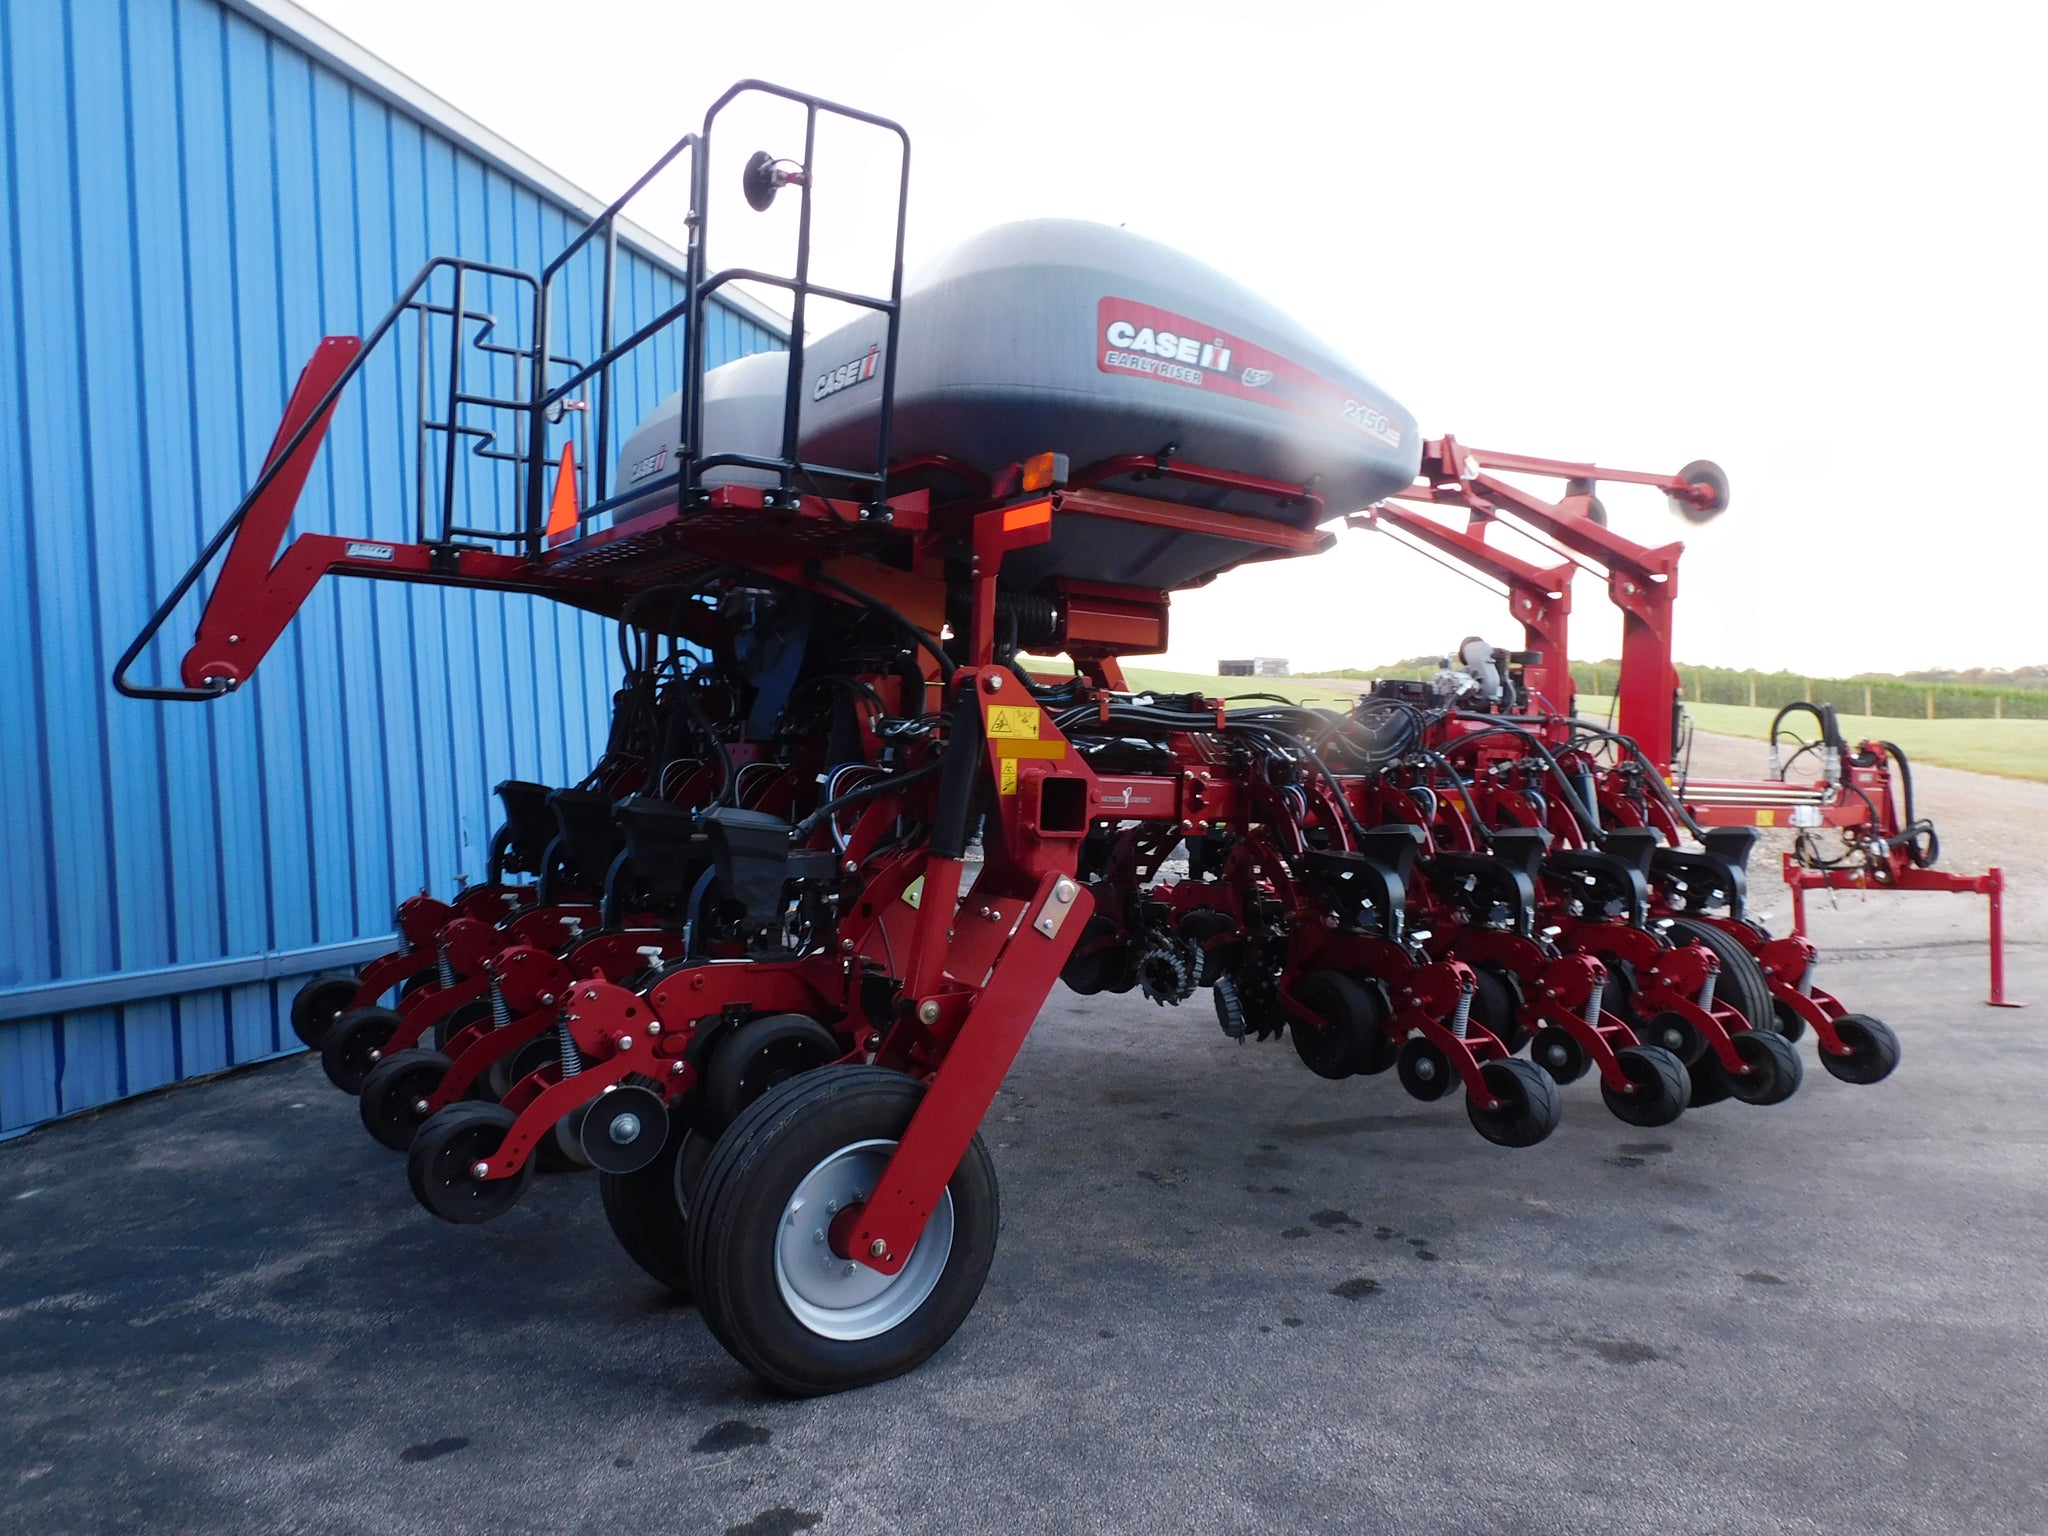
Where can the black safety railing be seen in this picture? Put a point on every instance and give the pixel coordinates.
(546, 382)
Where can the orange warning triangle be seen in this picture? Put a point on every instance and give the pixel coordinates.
(562, 511)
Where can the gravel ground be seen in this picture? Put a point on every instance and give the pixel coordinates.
(1230, 1297)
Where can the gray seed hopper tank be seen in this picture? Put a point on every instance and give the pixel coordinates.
(1075, 338)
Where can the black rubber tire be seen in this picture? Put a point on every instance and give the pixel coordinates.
(1876, 1050)
(394, 1086)
(459, 1020)
(1493, 1005)
(1558, 1052)
(1424, 1070)
(1785, 1021)
(560, 1148)
(1775, 1069)
(757, 1056)
(1531, 1105)
(1346, 1017)
(1112, 968)
(1741, 984)
(437, 1166)
(498, 1079)
(354, 1044)
(754, 1170)
(649, 1210)
(1662, 1089)
(317, 1004)
(1708, 1083)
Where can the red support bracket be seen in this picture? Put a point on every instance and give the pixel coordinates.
(1990, 885)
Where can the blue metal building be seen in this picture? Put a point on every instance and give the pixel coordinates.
(195, 191)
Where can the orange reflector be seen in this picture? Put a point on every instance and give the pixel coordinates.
(562, 511)
(1043, 471)
(1031, 515)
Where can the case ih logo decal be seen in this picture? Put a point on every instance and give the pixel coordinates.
(846, 375)
(1134, 338)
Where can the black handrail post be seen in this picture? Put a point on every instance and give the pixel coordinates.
(537, 412)
(424, 385)
(454, 406)
(599, 471)
(793, 382)
(692, 434)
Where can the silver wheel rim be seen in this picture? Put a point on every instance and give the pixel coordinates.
(837, 1298)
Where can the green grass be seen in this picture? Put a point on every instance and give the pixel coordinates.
(2013, 749)
(1300, 690)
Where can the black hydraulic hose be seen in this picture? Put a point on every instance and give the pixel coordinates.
(868, 791)
(1923, 843)
(1589, 823)
(1672, 802)
(947, 666)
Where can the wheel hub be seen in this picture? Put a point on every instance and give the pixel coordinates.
(835, 1296)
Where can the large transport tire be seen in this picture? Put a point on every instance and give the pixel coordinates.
(317, 1004)
(649, 1209)
(1741, 984)
(802, 1319)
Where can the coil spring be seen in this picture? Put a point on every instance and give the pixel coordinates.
(1462, 1014)
(1591, 1012)
(501, 1011)
(1707, 995)
(447, 968)
(1806, 978)
(404, 942)
(572, 1059)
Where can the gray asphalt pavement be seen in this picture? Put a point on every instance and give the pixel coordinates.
(1230, 1297)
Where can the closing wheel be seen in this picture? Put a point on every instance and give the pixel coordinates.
(1530, 1105)
(649, 1209)
(497, 1079)
(1558, 1052)
(354, 1044)
(772, 1285)
(1675, 1033)
(317, 1004)
(1425, 1071)
(1774, 1068)
(757, 1056)
(1741, 984)
(1345, 1032)
(447, 1148)
(395, 1095)
(1493, 1005)
(624, 1130)
(1658, 1087)
(1707, 1082)
(1874, 1050)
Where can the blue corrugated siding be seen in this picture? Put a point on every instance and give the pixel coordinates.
(191, 201)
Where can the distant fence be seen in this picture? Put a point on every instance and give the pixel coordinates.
(1891, 700)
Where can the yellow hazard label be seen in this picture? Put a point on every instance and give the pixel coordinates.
(1006, 780)
(1050, 750)
(1013, 722)
(1767, 818)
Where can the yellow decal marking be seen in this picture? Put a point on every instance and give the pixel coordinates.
(1013, 722)
(913, 893)
(1767, 818)
(1046, 749)
(1006, 781)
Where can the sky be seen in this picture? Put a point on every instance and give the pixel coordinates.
(1802, 240)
